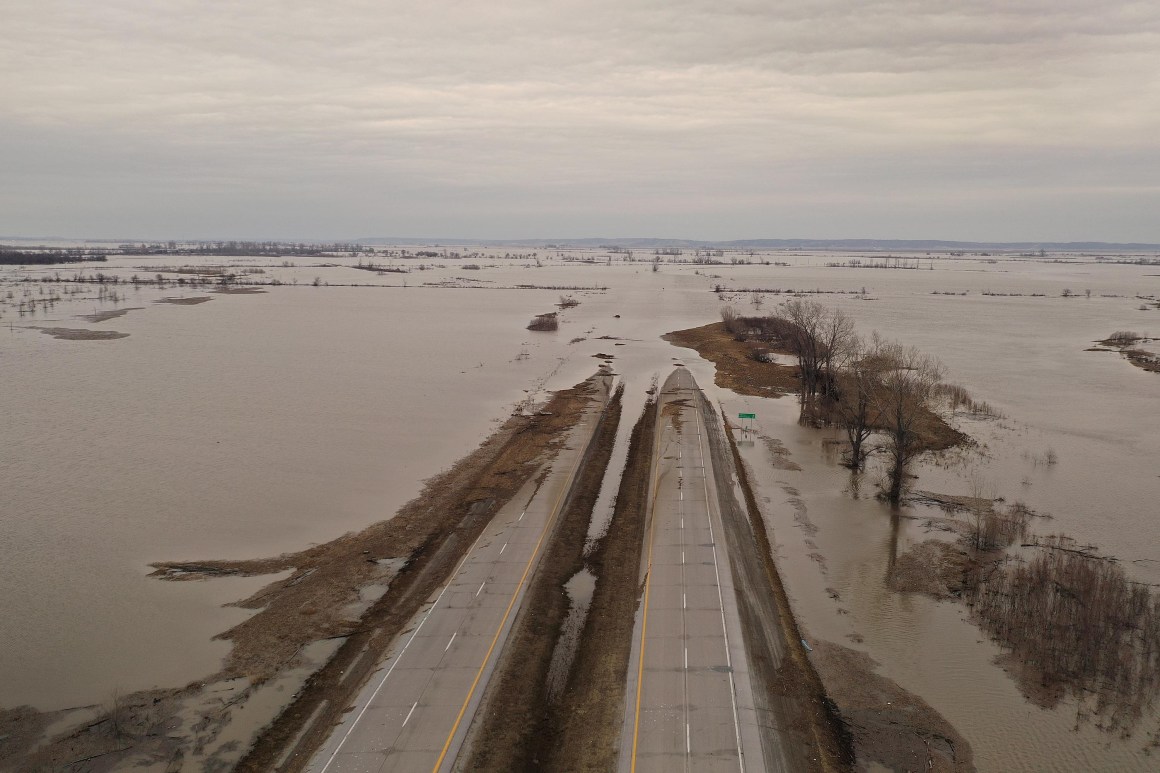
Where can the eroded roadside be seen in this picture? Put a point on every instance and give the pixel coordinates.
(356, 592)
(514, 715)
(791, 702)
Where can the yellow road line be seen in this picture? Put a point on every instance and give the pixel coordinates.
(647, 586)
(519, 586)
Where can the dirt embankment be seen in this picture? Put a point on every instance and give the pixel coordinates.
(426, 538)
(308, 605)
(793, 697)
(441, 529)
(516, 711)
(582, 729)
(739, 370)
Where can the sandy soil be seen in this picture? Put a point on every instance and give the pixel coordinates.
(80, 334)
(414, 552)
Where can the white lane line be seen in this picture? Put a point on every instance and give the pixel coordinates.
(682, 556)
(521, 517)
(688, 740)
(481, 587)
(686, 658)
(721, 601)
(501, 550)
(409, 713)
(682, 521)
(684, 601)
(450, 641)
(398, 657)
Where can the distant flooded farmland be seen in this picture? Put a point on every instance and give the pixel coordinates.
(259, 422)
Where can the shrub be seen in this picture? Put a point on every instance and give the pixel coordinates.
(544, 322)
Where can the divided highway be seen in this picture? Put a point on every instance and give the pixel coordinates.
(705, 648)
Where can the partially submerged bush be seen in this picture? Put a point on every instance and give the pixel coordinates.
(1001, 529)
(957, 397)
(544, 322)
(1123, 338)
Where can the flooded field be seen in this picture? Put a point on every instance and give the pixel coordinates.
(252, 424)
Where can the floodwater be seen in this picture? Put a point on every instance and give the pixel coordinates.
(252, 425)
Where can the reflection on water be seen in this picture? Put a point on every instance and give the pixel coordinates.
(258, 424)
(1076, 625)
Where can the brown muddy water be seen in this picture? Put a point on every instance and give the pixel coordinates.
(255, 424)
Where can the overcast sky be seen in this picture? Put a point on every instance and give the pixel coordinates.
(714, 119)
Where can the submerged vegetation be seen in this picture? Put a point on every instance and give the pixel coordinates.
(545, 322)
(1128, 343)
(1077, 625)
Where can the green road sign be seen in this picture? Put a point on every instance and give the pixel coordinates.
(747, 415)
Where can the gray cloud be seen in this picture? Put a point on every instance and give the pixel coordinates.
(1033, 119)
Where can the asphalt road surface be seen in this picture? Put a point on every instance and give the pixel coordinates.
(689, 704)
(414, 713)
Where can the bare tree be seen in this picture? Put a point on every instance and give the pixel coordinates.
(822, 339)
(857, 384)
(803, 333)
(909, 381)
(838, 343)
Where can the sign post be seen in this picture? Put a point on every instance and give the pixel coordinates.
(749, 417)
